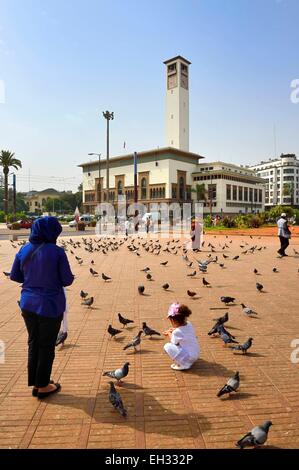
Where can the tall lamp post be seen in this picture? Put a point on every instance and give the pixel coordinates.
(109, 117)
(99, 198)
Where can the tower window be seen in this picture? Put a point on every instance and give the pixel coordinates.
(184, 69)
(171, 68)
(171, 116)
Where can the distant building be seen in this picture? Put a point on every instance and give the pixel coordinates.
(229, 189)
(281, 176)
(36, 200)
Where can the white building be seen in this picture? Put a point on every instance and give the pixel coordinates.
(281, 176)
(168, 174)
(229, 189)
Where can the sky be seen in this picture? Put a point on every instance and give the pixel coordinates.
(63, 62)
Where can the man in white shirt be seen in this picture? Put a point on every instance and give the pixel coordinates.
(283, 233)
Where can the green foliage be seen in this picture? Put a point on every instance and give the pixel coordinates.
(275, 212)
(228, 222)
(208, 221)
(18, 216)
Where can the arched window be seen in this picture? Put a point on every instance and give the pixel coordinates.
(160, 193)
(163, 193)
(143, 188)
(182, 188)
(154, 193)
(119, 187)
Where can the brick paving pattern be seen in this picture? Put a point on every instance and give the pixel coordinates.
(166, 409)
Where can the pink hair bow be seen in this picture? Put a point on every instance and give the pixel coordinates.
(173, 310)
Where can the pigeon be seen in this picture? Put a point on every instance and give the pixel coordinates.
(227, 299)
(231, 385)
(61, 337)
(205, 283)
(243, 347)
(223, 319)
(225, 256)
(221, 329)
(88, 302)
(192, 274)
(145, 269)
(94, 273)
(83, 294)
(275, 270)
(296, 252)
(113, 331)
(256, 437)
(116, 401)
(124, 321)
(118, 374)
(149, 277)
(164, 263)
(236, 257)
(248, 310)
(225, 336)
(165, 286)
(135, 341)
(259, 286)
(141, 290)
(148, 331)
(255, 271)
(6, 274)
(190, 293)
(214, 330)
(106, 278)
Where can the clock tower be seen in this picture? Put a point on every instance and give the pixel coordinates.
(177, 103)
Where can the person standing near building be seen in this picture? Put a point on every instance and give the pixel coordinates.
(284, 234)
(43, 269)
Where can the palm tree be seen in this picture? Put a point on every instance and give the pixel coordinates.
(7, 160)
(201, 192)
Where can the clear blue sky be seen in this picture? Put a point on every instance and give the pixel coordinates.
(65, 61)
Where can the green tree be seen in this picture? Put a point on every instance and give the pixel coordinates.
(7, 160)
(201, 192)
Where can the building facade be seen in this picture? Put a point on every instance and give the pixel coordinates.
(163, 175)
(228, 189)
(281, 179)
(36, 199)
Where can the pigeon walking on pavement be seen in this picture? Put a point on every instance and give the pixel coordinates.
(231, 385)
(135, 342)
(118, 374)
(149, 331)
(113, 331)
(256, 437)
(124, 321)
(116, 401)
(243, 347)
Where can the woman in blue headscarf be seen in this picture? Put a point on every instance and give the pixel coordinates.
(43, 269)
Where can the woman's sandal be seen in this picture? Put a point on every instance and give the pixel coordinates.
(35, 389)
(41, 395)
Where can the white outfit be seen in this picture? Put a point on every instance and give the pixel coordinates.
(282, 228)
(184, 347)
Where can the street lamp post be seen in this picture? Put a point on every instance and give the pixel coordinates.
(99, 198)
(109, 117)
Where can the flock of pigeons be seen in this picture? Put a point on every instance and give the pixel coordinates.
(258, 435)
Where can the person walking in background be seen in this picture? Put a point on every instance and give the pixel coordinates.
(195, 234)
(44, 270)
(284, 234)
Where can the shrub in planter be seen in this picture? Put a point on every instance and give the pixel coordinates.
(81, 225)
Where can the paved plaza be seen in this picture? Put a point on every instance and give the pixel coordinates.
(166, 408)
